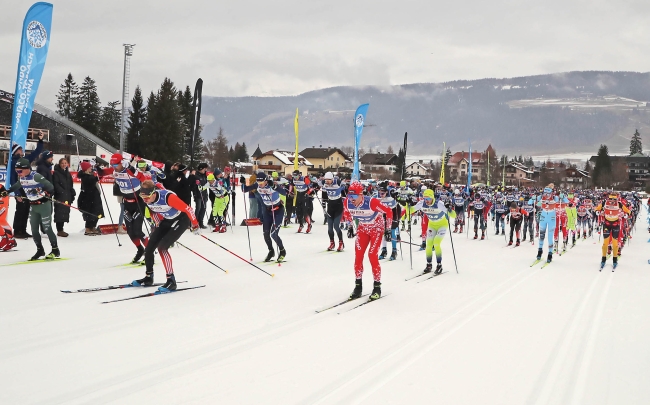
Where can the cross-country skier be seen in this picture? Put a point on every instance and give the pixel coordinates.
(39, 193)
(301, 184)
(517, 216)
(221, 198)
(437, 214)
(128, 179)
(273, 213)
(479, 211)
(611, 209)
(7, 241)
(172, 217)
(460, 201)
(387, 198)
(372, 226)
(547, 220)
(334, 191)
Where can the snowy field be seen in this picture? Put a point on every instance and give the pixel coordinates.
(499, 332)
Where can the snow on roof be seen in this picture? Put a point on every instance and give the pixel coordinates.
(286, 157)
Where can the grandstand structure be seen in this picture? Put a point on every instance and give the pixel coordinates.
(61, 135)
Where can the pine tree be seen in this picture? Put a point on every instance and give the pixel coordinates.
(87, 106)
(216, 151)
(135, 121)
(243, 153)
(185, 100)
(603, 168)
(635, 143)
(108, 128)
(162, 134)
(400, 164)
(390, 150)
(67, 97)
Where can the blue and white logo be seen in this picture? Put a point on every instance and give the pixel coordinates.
(359, 120)
(36, 34)
(3, 175)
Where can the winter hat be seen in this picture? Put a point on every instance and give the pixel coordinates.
(47, 154)
(328, 176)
(261, 176)
(227, 169)
(201, 166)
(182, 167)
(116, 159)
(210, 177)
(217, 171)
(23, 163)
(85, 166)
(15, 148)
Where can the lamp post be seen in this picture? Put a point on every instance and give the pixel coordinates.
(128, 52)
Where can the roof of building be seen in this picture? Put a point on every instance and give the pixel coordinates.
(420, 165)
(321, 153)
(286, 157)
(258, 152)
(477, 157)
(378, 159)
(520, 166)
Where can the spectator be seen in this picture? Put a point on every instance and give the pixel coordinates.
(181, 183)
(22, 203)
(90, 199)
(202, 187)
(63, 191)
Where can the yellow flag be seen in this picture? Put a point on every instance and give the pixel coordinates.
(442, 169)
(295, 156)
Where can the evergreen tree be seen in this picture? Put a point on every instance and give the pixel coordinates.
(185, 100)
(135, 122)
(243, 153)
(390, 150)
(231, 152)
(400, 164)
(216, 151)
(603, 168)
(67, 98)
(163, 132)
(108, 128)
(635, 143)
(87, 106)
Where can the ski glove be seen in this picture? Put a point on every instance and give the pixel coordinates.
(4, 193)
(387, 235)
(196, 230)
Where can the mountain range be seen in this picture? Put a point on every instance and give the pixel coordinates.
(553, 113)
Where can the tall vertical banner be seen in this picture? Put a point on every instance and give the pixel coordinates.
(442, 167)
(34, 44)
(295, 156)
(359, 120)
(404, 157)
(469, 170)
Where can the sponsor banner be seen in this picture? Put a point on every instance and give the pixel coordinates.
(103, 180)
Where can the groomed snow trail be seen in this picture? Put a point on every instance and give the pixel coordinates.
(500, 332)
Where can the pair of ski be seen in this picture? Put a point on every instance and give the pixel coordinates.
(539, 260)
(123, 286)
(430, 274)
(368, 301)
(602, 266)
(37, 261)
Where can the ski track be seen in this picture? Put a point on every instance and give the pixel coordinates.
(561, 360)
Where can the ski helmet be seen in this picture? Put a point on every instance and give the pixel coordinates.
(355, 188)
(428, 194)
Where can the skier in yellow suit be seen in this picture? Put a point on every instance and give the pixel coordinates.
(438, 215)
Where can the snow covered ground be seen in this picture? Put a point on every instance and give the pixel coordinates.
(499, 332)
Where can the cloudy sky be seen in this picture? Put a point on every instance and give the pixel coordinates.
(286, 47)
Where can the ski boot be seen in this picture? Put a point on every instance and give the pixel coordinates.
(383, 254)
(393, 255)
(144, 282)
(376, 291)
(539, 253)
(223, 229)
(269, 256)
(39, 252)
(455, 229)
(510, 243)
(573, 241)
(497, 232)
(331, 246)
(482, 235)
(300, 228)
(138, 255)
(308, 228)
(403, 227)
(54, 253)
(438, 269)
(423, 245)
(475, 235)
(461, 229)
(550, 257)
(341, 246)
(170, 284)
(283, 254)
(615, 259)
(523, 239)
(518, 243)
(428, 268)
(602, 262)
(356, 293)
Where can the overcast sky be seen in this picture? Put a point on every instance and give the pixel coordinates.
(287, 47)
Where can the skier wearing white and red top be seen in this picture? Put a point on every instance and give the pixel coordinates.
(372, 226)
(172, 217)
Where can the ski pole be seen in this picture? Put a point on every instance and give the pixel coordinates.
(399, 240)
(225, 271)
(451, 239)
(408, 215)
(109, 210)
(71, 206)
(236, 255)
(248, 233)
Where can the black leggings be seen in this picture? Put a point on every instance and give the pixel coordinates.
(163, 236)
(333, 223)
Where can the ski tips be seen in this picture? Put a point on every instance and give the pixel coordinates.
(273, 275)
(66, 291)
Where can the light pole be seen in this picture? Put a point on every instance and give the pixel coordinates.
(128, 52)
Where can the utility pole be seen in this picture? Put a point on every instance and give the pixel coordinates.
(128, 52)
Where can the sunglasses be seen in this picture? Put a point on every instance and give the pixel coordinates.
(146, 193)
(428, 199)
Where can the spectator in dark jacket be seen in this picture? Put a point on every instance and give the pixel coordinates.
(22, 204)
(65, 192)
(201, 195)
(90, 198)
(44, 165)
(182, 186)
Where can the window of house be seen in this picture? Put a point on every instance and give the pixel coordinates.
(270, 162)
(337, 158)
(462, 166)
